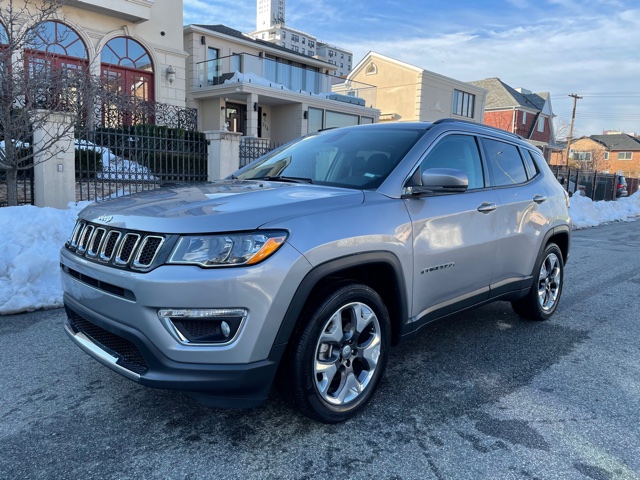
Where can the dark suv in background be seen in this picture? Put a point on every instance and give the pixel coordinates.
(621, 186)
(309, 263)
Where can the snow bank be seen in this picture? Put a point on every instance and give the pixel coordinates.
(31, 238)
(586, 213)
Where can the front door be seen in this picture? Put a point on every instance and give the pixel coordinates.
(236, 116)
(454, 236)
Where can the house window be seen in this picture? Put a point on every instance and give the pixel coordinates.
(541, 124)
(213, 66)
(127, 63)
(284, 34)
(310, 53)
(625, 155)
(372, 69)
(295, 38)
(524, 118)
(294, 48)
(311, 44)
(581, 156)
(606, 155)
(54, 55)
(463, 103)
(302, 51)
(303, 40)
(284, 44)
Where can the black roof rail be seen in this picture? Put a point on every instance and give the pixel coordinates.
(455, 120)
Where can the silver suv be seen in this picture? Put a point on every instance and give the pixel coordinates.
(309, 263)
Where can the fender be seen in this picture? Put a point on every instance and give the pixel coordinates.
(333, 268)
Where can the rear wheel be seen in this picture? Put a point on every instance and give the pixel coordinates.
(340, 354)
(542, 300)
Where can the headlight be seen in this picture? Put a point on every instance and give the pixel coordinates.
(227, 249)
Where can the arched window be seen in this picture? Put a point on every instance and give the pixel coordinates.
(56, 59)
(56, 45)
(127, 68)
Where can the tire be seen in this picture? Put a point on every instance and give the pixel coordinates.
(543, 298)
(339, 355)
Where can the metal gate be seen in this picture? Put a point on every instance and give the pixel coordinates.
(135, 145)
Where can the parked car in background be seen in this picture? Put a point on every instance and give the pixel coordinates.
(621, 186)
(310, 262)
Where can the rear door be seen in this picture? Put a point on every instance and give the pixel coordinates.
(523, 216)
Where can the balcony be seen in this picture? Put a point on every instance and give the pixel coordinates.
(135, 11)
(247, 68)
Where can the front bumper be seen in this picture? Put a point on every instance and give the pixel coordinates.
(129, 353)
(113, 315)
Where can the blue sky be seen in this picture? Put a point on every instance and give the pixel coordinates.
(591, 48)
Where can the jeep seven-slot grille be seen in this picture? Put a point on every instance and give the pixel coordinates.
(129, 356)
(115, 246)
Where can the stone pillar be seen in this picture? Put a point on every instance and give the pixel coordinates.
(252, 115)
(54, 174)
(224, 153)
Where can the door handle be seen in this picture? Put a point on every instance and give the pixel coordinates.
(487, 207)
(539, 198)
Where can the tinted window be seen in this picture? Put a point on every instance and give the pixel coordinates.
(505, 163)
(459, 152)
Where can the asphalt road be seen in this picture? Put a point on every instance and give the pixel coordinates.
(483, 396)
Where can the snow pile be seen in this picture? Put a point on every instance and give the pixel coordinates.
(116, 168)
(32, 237)
(586, 213)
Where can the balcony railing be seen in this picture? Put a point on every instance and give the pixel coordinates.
(244, 67)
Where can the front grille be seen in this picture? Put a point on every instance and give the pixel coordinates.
(129, 356)
(114, 246)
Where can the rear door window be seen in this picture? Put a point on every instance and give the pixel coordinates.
(505, 163)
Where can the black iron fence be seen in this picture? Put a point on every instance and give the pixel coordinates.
(26, 194)
(131, 146)
(593, 184)
(252, 148)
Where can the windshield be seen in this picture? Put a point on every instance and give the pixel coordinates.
(352, 157)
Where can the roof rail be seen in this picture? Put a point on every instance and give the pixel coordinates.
(455, 120)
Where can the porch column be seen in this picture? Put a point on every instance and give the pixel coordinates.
(224, 153)
(252, 115)
(54, 174)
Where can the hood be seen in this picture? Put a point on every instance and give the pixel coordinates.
(220, 206)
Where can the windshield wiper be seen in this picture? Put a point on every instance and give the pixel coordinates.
(280, 178)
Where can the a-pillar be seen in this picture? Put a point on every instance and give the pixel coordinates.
(54, 175)
(224, 153)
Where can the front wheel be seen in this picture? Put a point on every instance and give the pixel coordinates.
(542, 300)
(340, 354)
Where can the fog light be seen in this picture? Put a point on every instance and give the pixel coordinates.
(203, 327)
(226, 329)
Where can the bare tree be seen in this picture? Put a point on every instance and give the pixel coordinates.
(36, 86)
(561, 127)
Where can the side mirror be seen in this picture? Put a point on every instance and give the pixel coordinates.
(435, 181)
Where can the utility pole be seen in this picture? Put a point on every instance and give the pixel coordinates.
(573, 117)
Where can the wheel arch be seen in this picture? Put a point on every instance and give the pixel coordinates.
(382, 271)
(561, 236)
